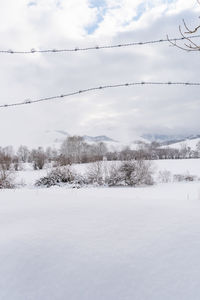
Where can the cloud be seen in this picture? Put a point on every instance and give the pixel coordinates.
(119, 113)
(101, 9)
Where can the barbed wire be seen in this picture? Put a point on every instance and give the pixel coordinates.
(29, 101)
(77, 49)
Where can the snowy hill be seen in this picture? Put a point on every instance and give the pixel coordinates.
(54, 138)
(164, 139)
(170, 139)
(191, 143)
(97, 139)
(138, 142)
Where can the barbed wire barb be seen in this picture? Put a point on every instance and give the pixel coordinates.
(61, 96)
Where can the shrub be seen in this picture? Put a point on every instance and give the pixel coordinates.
(102, 173)
(59, 176)
(94, 173)
(38, 158)
(129, 173)
(136, 172)
(6, 179)
(184, 177)
(164, 176)
(114, 177)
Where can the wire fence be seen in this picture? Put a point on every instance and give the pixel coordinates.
(78, 49)
(142, 83)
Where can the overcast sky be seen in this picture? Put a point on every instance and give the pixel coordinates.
(120, 113)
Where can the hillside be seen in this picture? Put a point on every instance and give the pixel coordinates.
(191, 143)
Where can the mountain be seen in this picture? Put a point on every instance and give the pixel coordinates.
(97, 139)
(190, 142)
(162, 138)
(54, 138)
(140, 140)
(63, 132)
(170, 139)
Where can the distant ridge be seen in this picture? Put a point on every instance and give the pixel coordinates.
(169, 139)
(99, 138)
(62, 132)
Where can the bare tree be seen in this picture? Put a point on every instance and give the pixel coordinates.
(71, 149)
(23, 153)
(185, 151)
(38, 158)
(187, 34)
(75, 150)
(99, 151)
(6, 155)
(16, 163)
(198, 149)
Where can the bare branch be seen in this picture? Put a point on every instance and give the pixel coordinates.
(187, 36)
(189, 31)
(176, 45)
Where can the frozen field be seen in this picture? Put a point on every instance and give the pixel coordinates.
(100, 244)
(175, 166)
(179, 166)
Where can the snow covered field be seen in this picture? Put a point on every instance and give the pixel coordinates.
(102, 243)
(175, 166)
(179, 166)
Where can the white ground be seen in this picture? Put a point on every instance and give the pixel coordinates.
(175, 166)
(101, 244)
(178, 166)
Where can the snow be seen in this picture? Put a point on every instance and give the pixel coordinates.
(134, 145)
(54, 139)
(175, 166)
(119, 243)
(101, 243)
(178, 166)
(191, 143)
(29, 177)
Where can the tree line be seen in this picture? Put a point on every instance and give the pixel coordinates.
(75, 150)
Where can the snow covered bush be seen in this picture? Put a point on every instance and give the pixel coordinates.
(102, 173)
(164, 176)
(129, 173)
(114, 177)
(6, 179)
(184, 177)
(136, 172)
(59, 176)
(94, 173)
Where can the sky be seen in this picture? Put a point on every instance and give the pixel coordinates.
(123, 113)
